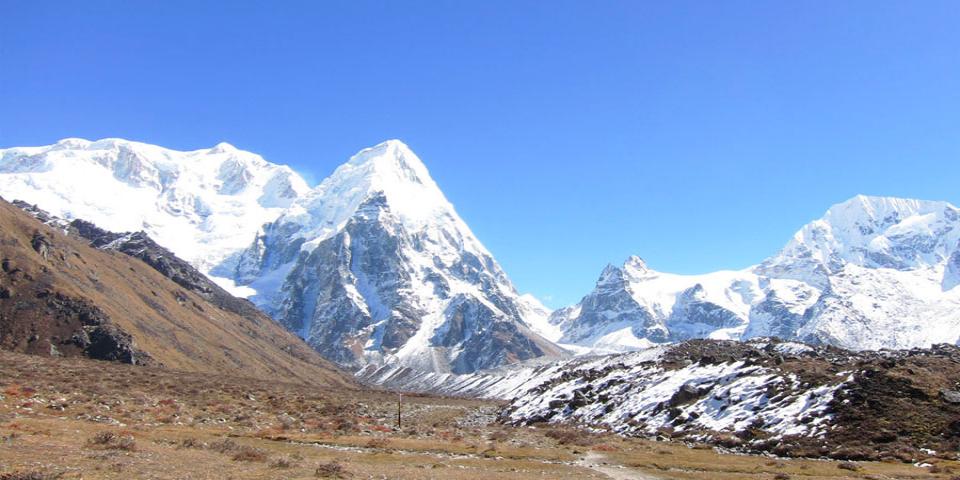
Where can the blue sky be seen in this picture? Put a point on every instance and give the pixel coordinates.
(698, 135)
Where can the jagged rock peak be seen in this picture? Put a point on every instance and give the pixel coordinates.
(634, 268)
(635, 264)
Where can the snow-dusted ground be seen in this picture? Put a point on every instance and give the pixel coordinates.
(637, 394)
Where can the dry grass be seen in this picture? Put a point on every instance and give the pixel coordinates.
(233, 427)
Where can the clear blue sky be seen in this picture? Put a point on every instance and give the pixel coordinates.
(699, 135)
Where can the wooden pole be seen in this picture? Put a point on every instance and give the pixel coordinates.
(399, 404)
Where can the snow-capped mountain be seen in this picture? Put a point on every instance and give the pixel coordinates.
(374, 266)
(874, 272)
(204, 204)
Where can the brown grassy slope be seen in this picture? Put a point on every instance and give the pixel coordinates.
(175, 327)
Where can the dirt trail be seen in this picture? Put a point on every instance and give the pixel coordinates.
(598, 463)
(593, 460)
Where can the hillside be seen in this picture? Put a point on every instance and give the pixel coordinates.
(61, 297)
(764, 395)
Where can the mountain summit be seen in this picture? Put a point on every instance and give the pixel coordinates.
(375, 266)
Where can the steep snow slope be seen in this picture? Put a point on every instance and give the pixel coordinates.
(874, 272)
(375, 266)
(204, 205)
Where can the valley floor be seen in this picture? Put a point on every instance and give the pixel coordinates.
(75, 418)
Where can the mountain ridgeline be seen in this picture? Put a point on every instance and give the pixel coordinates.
(374, 268)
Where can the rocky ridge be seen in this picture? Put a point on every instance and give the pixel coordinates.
(764, 395)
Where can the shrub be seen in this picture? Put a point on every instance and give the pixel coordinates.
(781, 476)
(378, 443)
(30, 476)
(283, 462)
(853, 467)
(571, 436)
(112, 441)
(249, 454)
(333, 469)
(224, 446)
(190, 443)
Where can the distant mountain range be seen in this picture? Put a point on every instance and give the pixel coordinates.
(374, 268)
(873, 273)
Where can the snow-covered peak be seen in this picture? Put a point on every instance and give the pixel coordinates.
(223, 147)
(636, 266)
(389, 169)
(633, 269)
(73, 143)
(871, 232)
(203, 204)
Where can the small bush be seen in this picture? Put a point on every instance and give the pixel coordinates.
(30, 476)
(249, 454)
(333, 469)
(112, 441)
(224, 446)
(190, 443)
(853, 467)
(378, 443)
(570, 436)
(283, 462)
(781, 476)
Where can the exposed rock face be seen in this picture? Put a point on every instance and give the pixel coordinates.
(873, 273)
(36, 319)
(96, 336)
(139, 245)
(951, 274)
(375, 266)
(611, 307)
